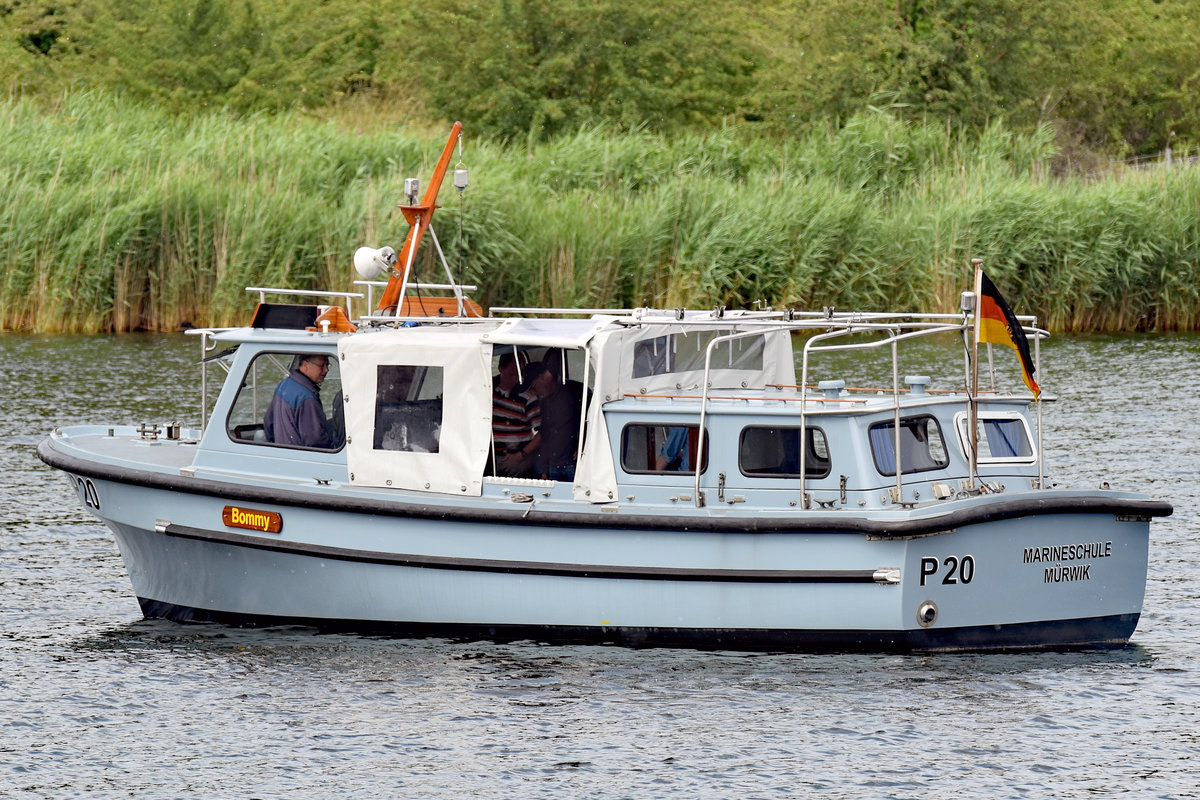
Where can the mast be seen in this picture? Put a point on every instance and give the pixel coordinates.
(977, 263)
(419, 216)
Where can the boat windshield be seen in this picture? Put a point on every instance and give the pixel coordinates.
(284, 402)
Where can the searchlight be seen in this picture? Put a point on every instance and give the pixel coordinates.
(371, 263)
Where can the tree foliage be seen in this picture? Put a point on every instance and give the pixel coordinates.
(1133, 84)
(34, 38)
(1114, 76)
(537, 68)
(241, 54)
(968, 60)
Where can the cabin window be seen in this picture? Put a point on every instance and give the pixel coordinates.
(408, 408)
(678, 352)
(921, 445)
(1001, 439)
(661, 449)
(290, 400)
(774, 452)
(653, 357)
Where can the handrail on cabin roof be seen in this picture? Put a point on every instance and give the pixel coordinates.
(263, 291)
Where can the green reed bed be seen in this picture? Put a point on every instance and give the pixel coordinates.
(119, 217)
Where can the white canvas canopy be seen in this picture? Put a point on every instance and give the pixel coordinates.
(569, 333)
(450, 419)
(668, 359)
(419, 400)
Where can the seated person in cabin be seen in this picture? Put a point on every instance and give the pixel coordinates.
(673, 455)
(295, 415)
(557, 440)
(515, 419)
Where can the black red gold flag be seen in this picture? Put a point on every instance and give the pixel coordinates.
(995, 322)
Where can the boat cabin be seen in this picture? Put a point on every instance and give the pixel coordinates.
(671, 410)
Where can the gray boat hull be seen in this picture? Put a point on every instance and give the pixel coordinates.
(965, 576)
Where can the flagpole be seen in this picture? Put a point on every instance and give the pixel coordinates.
(991, 367)
(977, 263)
(1037, 404)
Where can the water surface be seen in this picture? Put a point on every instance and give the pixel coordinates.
(96, 702)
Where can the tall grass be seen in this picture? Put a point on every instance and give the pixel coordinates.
(119, 217)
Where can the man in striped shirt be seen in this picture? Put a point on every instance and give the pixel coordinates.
(515, 419)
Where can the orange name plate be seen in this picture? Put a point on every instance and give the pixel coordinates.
(252, 519)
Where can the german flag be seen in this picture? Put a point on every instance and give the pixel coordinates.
(996, 323)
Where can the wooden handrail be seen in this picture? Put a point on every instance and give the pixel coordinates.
(762, 397)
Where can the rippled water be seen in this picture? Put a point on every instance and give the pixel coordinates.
(96, 702)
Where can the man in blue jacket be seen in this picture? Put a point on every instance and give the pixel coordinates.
(295, 415)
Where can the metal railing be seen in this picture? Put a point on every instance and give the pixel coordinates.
(263, 291)
(896, 328)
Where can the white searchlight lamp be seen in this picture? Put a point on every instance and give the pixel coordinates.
(371, 263)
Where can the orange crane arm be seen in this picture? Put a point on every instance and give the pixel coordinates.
(419, 217)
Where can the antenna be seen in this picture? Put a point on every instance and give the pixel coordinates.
(461, 180)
